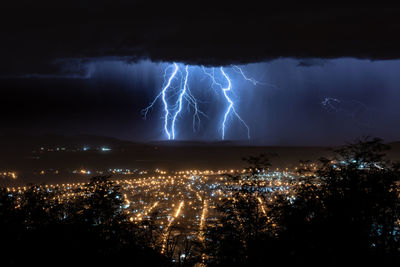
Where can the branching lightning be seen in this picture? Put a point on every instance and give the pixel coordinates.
(179, 102)
(164, 90)
(250, 79)
(240, 71)
(230, 106)
(357, 110)
(176, 85)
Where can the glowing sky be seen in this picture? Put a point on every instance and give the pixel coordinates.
(298, 102)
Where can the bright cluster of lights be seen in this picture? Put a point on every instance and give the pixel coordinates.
(8, 174)
(179, 203)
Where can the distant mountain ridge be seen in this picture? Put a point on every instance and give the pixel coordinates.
(22, 142)
(24, 154)
(97, 140)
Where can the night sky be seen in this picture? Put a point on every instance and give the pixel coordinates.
(328, 75)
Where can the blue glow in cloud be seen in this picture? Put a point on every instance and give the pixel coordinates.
(176, 85)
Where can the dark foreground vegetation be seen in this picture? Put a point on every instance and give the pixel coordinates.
(346, 211)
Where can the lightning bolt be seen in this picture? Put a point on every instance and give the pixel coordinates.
(252, 80)
(230, 106)
(179, 102)
(328, 102)
(183, 95)
(171, 113)
(197, 112)
(150, 106)
(240, 71)
(212, 77)
(164, 90)
(357, 110)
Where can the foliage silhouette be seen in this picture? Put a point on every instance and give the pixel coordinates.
(38, 228)
(346, 211)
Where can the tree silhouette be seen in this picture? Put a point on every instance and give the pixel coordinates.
(240, 233)
(90, 229)
(345, 211)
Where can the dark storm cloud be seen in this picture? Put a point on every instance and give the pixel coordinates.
(329, 105)
(312, 62)
(53, 38)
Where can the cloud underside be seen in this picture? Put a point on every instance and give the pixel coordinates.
(60, 41)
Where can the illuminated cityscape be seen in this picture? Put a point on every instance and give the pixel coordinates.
(179, 203)
(194, 134)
